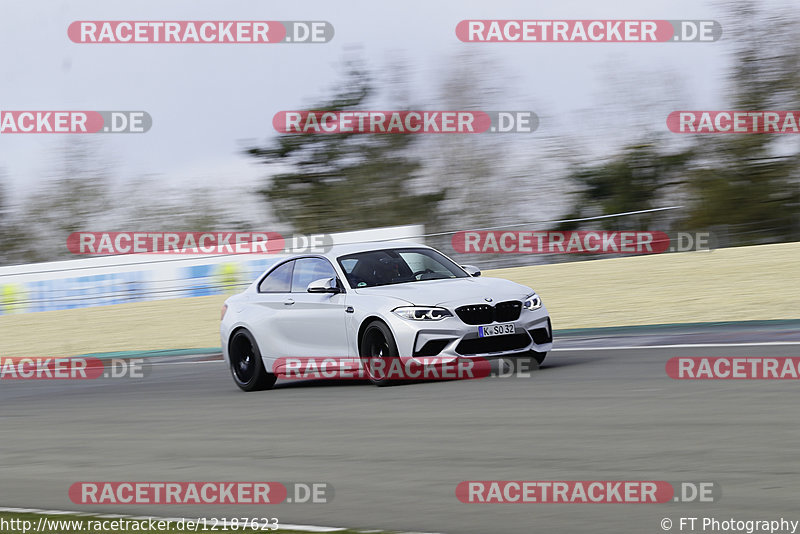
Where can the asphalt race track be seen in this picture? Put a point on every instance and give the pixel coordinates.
(395, 455)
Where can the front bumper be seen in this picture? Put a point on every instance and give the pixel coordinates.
(450, 338)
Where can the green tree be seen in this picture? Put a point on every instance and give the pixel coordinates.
(348, 181)
(632, 180)
(744, 186)
(75, 197)
(748, 183)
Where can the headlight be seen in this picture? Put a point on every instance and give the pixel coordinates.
(532, 302)
(422, 313)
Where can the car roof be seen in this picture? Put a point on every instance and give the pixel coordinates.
(345, 249)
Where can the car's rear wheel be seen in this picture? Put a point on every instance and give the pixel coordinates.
(378, 353)
(247, 367)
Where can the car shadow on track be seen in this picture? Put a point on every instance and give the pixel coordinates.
(569, 361)
(548, 366)
(319, 383)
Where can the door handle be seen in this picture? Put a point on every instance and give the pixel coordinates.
(288, 302)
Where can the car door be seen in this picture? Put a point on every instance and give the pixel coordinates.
(267, 306)
(313, 323)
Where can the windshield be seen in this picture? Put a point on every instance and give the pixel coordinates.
(397, 266)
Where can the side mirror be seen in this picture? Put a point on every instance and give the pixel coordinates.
(324, 285)
(471, 270)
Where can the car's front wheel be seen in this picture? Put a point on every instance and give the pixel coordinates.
(247, 367)
(378, 352)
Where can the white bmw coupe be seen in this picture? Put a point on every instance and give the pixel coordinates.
(364, 301)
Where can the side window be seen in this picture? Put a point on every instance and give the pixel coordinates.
(308, 270)
(279, 280)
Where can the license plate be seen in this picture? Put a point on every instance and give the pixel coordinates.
(496, 330)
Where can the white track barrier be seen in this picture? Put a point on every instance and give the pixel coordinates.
(100, 281)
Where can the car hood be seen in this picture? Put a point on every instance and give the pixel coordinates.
(453, 291)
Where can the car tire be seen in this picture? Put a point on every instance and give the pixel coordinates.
(377, 342)
(246, 365)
